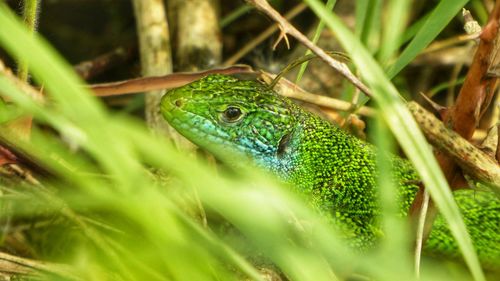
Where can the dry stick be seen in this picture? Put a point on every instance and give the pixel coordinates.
(449, 42)
(288, 89)
(473, 31)
(91, 68)
(473, 28)
(287, 28)
(263, 36)
(490, 142)
(420, 232)
(472, 160)
(17, 265)
(168, 81)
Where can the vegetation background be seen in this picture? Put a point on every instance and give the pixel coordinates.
(87, 192)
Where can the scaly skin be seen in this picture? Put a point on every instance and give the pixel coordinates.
(336, 171)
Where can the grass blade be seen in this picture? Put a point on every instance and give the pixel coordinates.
(437, 21)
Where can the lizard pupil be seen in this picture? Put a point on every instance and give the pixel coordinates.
(232, 114)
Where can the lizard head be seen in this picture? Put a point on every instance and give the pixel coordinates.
(226, 115)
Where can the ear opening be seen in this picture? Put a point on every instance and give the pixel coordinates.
(283, 144)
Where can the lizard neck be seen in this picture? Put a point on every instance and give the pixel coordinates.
(337, 172)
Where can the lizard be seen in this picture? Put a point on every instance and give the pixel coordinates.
(234, 119)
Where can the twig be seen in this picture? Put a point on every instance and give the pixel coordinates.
(471, 159)
(154, 83)
(478, 88)
(289, 89)
(17, 265)
(420, 233)
(449, 42)
(287, 28)
(489, 142)
(91, 68)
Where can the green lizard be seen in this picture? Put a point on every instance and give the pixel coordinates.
(336, 171)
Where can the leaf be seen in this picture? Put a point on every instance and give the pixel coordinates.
(435, 23)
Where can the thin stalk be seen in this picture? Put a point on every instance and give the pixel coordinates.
(321, 25)
(30, 17)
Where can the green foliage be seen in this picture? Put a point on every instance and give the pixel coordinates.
(111, 218)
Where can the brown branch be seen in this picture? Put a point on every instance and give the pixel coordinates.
(475, 94)
(472, 160)
(154, 83)
(489, 142)
(473, 100)
(287, 28)
(479, 87)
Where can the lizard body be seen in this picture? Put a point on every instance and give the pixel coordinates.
(336, 171)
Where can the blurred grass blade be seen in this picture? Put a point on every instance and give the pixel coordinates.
(369, 13)
(77, 104)
(406, 131)
(395, 20)
(395, 228)
(437, 21)
(361, 14)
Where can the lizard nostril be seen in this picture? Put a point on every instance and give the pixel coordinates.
(178, 103)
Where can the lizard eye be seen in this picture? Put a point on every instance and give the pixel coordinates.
(232, 114)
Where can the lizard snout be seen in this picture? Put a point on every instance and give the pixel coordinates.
(178, 102)
(172, 100)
